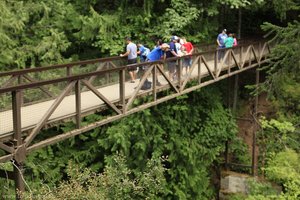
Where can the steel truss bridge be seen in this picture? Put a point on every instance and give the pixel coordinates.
(34, 99)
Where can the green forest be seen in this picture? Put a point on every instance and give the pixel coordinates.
(174, 150)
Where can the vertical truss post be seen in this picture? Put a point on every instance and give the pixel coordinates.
(18, 165)
(21, 92)
(254, 156)
(16, 108)
(241, 56)
(179, 73)
(250, 59)
(69, 71)
(229, 60)
(216, 61)
(78, 104)
(199, 70)
(107, 75)
(226, 155)
(154, 78)
(259, 48)
(122, 89)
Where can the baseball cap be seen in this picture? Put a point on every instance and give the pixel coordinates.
(225, 30)
(174, 37)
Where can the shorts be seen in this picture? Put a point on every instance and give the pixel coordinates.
(130, 62)
(187, 62)
(143, 58)
(172, 66)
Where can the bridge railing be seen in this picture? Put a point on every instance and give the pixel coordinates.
(77, 95)
(29, 75)
(34, 75)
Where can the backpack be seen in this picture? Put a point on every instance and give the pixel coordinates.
(147, 85)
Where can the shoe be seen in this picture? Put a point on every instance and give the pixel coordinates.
(132, 81)
(175, 77)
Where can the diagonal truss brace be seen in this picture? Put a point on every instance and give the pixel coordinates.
(142, 81)
(44, 119)
(103, 98)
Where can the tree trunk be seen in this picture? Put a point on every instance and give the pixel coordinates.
(239, 31)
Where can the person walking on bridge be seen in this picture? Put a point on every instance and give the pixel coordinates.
(221, 44)
(235, 43)
(229, 41)
(131, 53)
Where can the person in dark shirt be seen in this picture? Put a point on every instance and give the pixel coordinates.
(171, 54)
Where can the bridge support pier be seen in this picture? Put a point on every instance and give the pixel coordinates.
(18, 178)
(254, 153)
(235, 92)
(19, 148)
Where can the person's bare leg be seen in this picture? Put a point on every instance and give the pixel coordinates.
(131, 73)
(170, 76)
(134, 75)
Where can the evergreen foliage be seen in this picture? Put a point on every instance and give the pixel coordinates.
(283, 83)
(116, 182)
(189, 132)
(40, 32)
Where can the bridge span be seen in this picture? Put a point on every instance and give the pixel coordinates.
(36, 98)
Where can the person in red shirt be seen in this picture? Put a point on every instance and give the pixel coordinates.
(188, 60)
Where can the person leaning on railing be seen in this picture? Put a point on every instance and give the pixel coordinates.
(171, 54)
(155, 55)
(189, 49)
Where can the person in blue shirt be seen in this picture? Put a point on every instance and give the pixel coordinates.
(142, 52)
(157, 54)
(221, 44)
